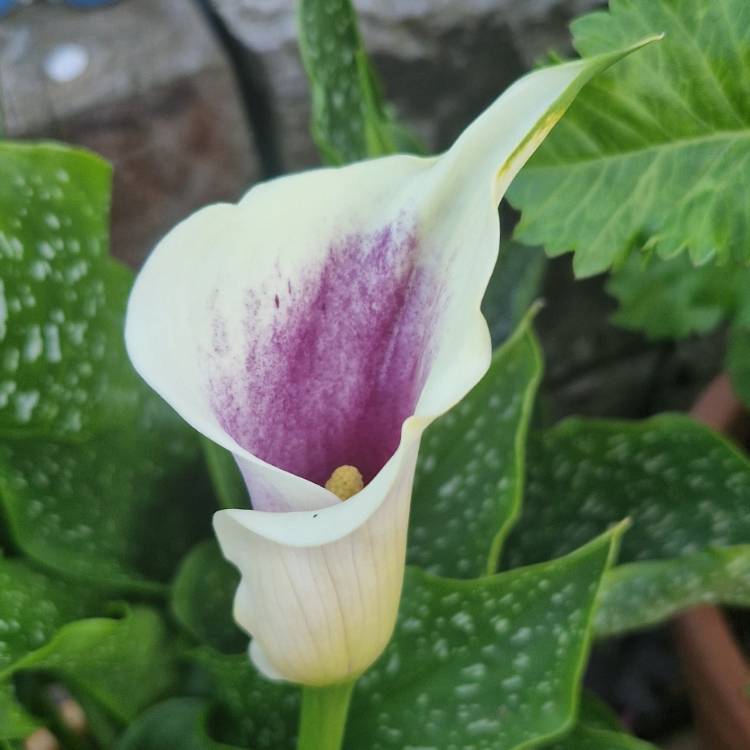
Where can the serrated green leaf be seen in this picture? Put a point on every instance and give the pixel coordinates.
(248, 709)
(123, 664)
(738, 361)
(493, 663)
(673, 299)
(175, 723)
(63, 368)
(469, 476)
(654, 152)
(350, 121)
(642, 594)
(100, 511)
(202, 596)
(684, 488)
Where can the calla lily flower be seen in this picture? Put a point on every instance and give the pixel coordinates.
(315, 329)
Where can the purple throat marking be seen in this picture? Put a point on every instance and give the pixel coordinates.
(332, 378)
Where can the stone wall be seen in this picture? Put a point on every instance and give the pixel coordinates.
(144, 83)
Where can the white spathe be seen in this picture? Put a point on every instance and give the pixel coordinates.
(321, 579)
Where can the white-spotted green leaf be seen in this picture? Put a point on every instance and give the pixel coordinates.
(507, 650)
(685, 489)
(656, 151)
(123, 663)
(32, 608)
(493, 663)
(117, 665)
(95, 471)
(638, 595)
(349, 119)
(99, 511)
(63, 369)
(248, 710)
(469, 477)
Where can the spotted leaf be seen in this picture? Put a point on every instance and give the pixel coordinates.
(63, 369)
(494, 663)
(685, 490)
(470, 472)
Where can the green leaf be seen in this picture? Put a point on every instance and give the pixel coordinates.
(595, 713)
(63, 368)
(98, 511)
(123, 664)
(673, 299)
(350, 121)
(597, 729)
(738, 361)
(96, 507)
(654, 152)
(202, 596)
(225, 475)
(584, 737)
(492, 663)
(101, 724)
(514, 285)
(32, 608)
(15, 721)
(685, 490)
(683, 486)
(175, 723)
(469, 478)
(511, 647)
(249, 710)
(642, 594)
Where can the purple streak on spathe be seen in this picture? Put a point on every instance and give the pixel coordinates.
(332, 378)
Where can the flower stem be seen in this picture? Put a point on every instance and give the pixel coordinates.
(323, 718)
